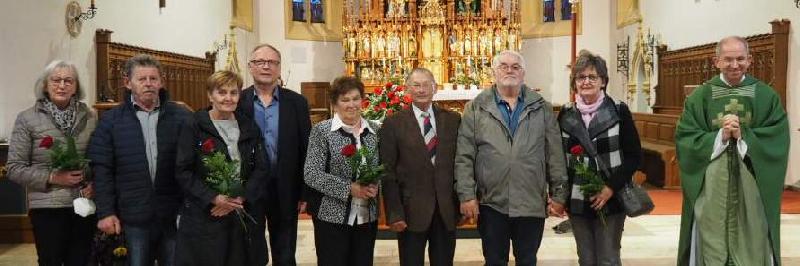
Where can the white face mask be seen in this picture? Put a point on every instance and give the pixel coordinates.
(83, 206)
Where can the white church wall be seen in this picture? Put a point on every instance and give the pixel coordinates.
(688, 23)
(548, 58)
(303, 61)
(33, 34)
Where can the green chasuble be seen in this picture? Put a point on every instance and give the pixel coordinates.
(733, 202)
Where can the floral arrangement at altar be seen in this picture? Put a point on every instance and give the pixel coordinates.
(385, 101)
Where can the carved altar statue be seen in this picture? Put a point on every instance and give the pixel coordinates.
(499, 42)
(365, 44)
(468, 41)
(513, 42)
(397, 8)
(412, 44)
(380, 44)
(394, 44)
(459, 40)
(352, 45)
(365, 73)
(486, 41)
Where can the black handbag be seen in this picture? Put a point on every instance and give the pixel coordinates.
(635, 200)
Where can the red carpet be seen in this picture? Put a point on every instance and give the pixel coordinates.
(669, 201)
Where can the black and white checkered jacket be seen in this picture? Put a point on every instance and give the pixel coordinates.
(328, 174)
(613, 135)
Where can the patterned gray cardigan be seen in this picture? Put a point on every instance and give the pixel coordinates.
(328, 173)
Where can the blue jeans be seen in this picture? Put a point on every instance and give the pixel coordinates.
(150, 243)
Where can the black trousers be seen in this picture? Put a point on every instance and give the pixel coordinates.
(218, 241)
(497, 230)
(344, 245)
(282, 229)
(62, 237)
(442, 244)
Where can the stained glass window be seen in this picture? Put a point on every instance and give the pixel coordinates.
(298, 10)
(317, 15)
(549, 10)
(566, 10)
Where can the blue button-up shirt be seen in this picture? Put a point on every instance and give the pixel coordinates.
(267, 118)
(511, 117)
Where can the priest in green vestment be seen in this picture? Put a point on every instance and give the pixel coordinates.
(732, 145)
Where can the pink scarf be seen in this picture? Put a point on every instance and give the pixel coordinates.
(588, 110)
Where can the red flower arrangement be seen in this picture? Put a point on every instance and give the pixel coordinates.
(361, 161)
(385, 101)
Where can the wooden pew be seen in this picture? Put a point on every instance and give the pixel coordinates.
(657, 135)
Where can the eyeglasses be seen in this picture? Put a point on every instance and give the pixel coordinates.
(262, 63)
(62, 81)
(589, 78)
(514, 67)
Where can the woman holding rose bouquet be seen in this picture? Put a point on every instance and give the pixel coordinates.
(603, 152)
(221, 167)
(341, 171)
(62, 237)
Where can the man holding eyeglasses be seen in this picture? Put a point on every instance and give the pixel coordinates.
(282, 117)
(732, 144)
(417, 147)
(508, 155)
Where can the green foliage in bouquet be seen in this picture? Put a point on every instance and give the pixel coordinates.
(64, 155)
(223, 175)
(592, 182)
(362, 161)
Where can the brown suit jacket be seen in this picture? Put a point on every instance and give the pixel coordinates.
(413, 187)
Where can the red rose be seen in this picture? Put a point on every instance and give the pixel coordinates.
(390, 94)
(46, 143)
(382, 105)
(576, 150)
(389, 85)
(407, 99)
(364, 104)
(378, 91)
(389, 112)
(400, 88)
(208, 145)
(394, 101)
(349, 150)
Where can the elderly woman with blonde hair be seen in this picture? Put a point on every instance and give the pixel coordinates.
(61, 236)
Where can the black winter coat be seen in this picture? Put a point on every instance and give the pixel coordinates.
(191, 172)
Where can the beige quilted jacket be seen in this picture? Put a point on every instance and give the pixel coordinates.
(29, 165)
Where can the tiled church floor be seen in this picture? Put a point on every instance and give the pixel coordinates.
(649, 240)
